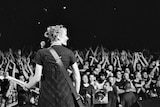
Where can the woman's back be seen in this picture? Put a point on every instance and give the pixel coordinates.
(55, 91)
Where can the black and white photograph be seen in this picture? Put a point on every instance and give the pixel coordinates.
(79, 53)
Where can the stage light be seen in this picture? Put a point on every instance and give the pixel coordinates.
(64, 7)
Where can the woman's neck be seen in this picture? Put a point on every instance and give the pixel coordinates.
(56, 43)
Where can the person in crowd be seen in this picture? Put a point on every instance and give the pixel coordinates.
(113, 94)
(100, 80)
(85, 67)
(138, 67)
(139, 85)
(110, 68)
(154, 77)
(92, 80)
(126, 78)
(158, 87)
(129, 97)
(119, 82)
(147, 79)
(23, 96)
(86, 91)
(4, 83)
(104, 97)
(97, 70)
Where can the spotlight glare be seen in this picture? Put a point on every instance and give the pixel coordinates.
(64, 7)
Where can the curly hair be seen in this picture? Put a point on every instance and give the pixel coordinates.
(54, 31)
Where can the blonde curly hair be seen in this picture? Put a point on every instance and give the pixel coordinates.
(55, 32)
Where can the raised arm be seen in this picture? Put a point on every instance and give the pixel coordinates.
(114, 61)
(155, 68)
(8, 62)
(29, 68)
(102, 61)
(11, 54)
(105, 62)
(93, 59)
(141, 61)
(86, 55)
(2, 62)
(79, 57)
(135, 61)
(103, 54)
(118, 61)
(147, 85)
(24, 71)
(96, 50)
(144, 60)
(112, 57)
(14, 69)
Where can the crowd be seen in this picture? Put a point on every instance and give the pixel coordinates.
(109, 78)
(117, 78)
(21, 67)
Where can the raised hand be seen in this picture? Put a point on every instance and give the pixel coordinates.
(28, 60)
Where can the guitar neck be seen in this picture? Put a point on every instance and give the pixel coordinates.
(21, 83)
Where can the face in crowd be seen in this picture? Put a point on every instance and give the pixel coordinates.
(139, 67)
(119, 75)
(107, 86)
(86, 65)
(138, 75)
(112, 80)
(103, 77)
(110, 68)
(85, 79)
(92, 78)
(96, 71)
(145, 75)
(152, 64)
(1, 73)
(99, 66)
(22, 78)
(127, 70)
(126, 76)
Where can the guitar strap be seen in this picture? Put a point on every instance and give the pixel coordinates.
(68, 79)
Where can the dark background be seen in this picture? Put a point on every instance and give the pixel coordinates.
(116, 24)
